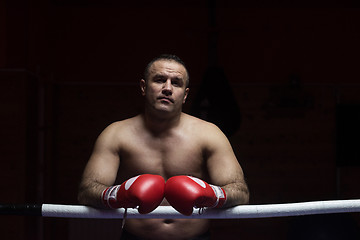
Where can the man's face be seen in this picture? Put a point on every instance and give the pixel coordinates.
(165, 90)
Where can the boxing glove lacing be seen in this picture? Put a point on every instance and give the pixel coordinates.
(218, 193)
(123, 222)
(109, 193)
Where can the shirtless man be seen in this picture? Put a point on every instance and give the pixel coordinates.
(167, 142)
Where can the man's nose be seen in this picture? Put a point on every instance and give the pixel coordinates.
(167, 87)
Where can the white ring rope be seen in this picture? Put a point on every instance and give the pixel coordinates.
(243, 211)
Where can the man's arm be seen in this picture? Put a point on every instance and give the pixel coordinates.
(101, 169)
(224, 169)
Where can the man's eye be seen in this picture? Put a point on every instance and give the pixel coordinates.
(177, 83)
(159, 80)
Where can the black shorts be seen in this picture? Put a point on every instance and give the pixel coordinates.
(128, 236)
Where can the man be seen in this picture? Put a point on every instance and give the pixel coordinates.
(170, 149)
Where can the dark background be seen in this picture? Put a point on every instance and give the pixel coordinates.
(281, 78)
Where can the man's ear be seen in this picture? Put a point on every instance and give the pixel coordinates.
(186, 94)
(142, 86)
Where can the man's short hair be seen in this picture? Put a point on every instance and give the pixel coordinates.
(168, 57)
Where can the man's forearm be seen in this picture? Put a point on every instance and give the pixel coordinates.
(90, 194)
(236, 194)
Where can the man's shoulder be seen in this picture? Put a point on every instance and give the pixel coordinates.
(208, 134)
(123, 125)
(200, 124)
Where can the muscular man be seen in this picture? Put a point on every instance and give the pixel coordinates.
(163, 141)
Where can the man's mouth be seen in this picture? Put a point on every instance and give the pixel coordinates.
(166, 99)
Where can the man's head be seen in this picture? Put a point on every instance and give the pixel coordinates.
(166, 57)
(164, 85)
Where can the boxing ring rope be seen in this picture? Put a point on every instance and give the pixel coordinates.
(243, 211)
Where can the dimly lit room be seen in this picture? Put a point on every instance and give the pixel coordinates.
(280, 79)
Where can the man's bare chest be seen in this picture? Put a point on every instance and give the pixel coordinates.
(165, 156)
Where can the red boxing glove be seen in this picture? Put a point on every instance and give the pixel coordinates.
(143, 191)
(185, 192)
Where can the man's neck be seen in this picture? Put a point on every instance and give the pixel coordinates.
(159, 125)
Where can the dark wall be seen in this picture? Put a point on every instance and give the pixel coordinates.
(69, 68)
